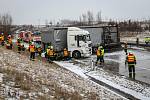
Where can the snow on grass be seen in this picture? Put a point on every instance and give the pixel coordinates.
(121, 83)
(72, 68)
(119, 87)
(1, 77)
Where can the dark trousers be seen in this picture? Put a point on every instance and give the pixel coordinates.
(131, 71)
(100, 58)
(66, 58)
(19, 49)
(2, 43)
(10, 47)
(50, 58)
(32, 55)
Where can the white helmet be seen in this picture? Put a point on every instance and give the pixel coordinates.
(51, 47)
(32, 43)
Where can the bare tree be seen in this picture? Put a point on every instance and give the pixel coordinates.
(99, 17)
(84, 18)
(90, 17)
(5, 23)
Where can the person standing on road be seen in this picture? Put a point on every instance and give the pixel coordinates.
(32, 51)
(125, 48)
(100, 55)
(131, 61)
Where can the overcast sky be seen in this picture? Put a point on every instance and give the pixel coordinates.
(37, 11)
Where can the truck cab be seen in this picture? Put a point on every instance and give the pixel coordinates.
(79, 42)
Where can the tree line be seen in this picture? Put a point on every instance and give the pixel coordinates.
(5, 23)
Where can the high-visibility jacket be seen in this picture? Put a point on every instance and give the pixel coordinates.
(131, 59)
(47, 51)
(2, 38)
(100, 52)
(50, 52)
(66, 53)
(32, 48)
(10, 41)
(39, 49)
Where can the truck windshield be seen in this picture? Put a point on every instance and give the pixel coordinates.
(83, 37)
(87, 37)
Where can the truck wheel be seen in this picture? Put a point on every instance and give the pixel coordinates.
(76, 54)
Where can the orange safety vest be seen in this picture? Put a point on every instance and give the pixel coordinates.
(65, 53)
(99, 53)
(2, 38)
(51, 52)
(131, 58)
(32, 48)
(10, 41)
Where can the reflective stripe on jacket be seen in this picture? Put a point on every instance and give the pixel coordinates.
(131, 58)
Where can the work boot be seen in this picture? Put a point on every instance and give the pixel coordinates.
(130, 75)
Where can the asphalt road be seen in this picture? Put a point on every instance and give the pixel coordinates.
(142, 67)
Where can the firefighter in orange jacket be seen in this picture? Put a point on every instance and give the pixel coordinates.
(32, 51)
(19, 45)
(2, 39)
(50, 54)
(131, 61)
(65, 54)
(9, 42)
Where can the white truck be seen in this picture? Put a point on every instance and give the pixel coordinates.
(76, 40)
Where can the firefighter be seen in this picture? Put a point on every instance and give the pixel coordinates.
(32, 51)
(100, 55)
(9, 42)
(2, 39)
(131, 61)
(19, 45)
(39, 50)
(50, 54)
(125, 48)
(65, 54)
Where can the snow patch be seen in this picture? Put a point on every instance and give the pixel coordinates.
(72, 68)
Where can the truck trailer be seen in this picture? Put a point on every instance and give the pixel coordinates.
(108, 36)
(76, 40)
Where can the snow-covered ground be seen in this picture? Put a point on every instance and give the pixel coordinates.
(44, 81)
(139, 91)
